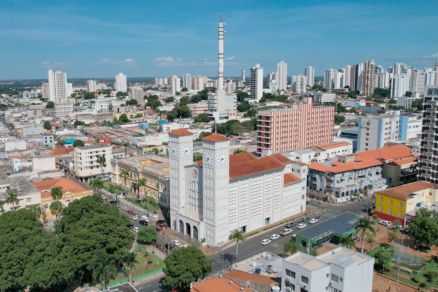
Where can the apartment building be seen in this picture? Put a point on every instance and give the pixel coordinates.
(338, 270)
(321, 153)
(301, 126)
(85, 160)
(374, 131)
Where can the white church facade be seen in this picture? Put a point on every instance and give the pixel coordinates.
(223, 192)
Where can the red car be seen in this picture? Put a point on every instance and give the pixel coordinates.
(130, 211)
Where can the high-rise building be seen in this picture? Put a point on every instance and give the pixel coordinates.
(272, 82)
(91, 85)
(58, 91)
(299, 84)
(399, 85)
(300, 126)
(175, 84)
(120, 84)
(368, 77)
(330, 79)
(430, 77)
(347, 76)
(310, 76)
(281, 76)
(243, 76)
(339, 79)
(198, 83)
(428, 162)
(374, 131)
(187, 81)
(400, 68)
(354, 77)
(45, 90)
(418, 82)
(257, 82)
(137, 93)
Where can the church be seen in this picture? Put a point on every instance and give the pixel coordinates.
(223, 192)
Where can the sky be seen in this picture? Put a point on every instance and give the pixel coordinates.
(147, 38)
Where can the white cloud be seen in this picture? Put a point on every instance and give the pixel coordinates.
(52, 65)
(230, 58)
(169, 61)
(109, 61)
(434, 55)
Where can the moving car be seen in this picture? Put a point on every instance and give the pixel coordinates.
(313, 220)
(301, 225)
(286, 231)
(266, 241)
(275, 236)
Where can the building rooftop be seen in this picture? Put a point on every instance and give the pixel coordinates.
(306, 261)
(404, 192)
(338, 167)
(386, 153)
(180, 132)
(254, 166)
(331, 145)
(343, 257)
(21, 185)
(215, 138)
(218, 283)
(153, 164)
(66, 184)
(290, 178)
(95, 146)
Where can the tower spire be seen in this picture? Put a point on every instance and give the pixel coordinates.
(220, 54)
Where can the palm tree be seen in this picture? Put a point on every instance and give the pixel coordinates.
(124, 174)
(364, 226)
(12, 199)
(290, 247)
(101, 160)
(347, 241)
(130, 261)
(56, 208)
(56, 193)
(96, 184)
(103, 269)
(238, 236)
(142, 182)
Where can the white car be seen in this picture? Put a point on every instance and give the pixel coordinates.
(275, 236)
(266, 241)
(136, 229)
(176, 242)
(145, 218)
(385, 223)
(124, 208)
(135, 217)
(301, 225)
(313, 220)
(286, 231)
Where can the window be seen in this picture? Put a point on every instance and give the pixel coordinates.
(290, 273)
(335, 278)
(304, 279)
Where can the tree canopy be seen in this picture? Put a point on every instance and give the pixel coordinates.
(201, 118)
(47, 125)
(78, 143)
(147, 235)
(184, 266)
(50, 104)
(235, 127)
(153, 102)
(90, 239)
(424, 228)
(180, 111)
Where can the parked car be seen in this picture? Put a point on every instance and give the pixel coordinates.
(286, 231)
(144, 217)
(385, 223)
(301, 225)
(161, 224)
(289, 225)
(313, 220)
(135, 217)
(266, 241)
(143, 222)
(124, 208)
(269, 269)
(130, 211)
(175, 242)
(275, 236)
(136, 229)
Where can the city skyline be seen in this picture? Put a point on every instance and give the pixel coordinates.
(97, 40)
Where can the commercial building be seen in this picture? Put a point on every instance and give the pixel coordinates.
(225, 192)
(428, 163)
(256, 82)
(85, 161)
(375, 131)
(58, 91)
(399, 204)
(198, 108)
(187, 81)
(309, 72)
(121, 84)
(301, 126)
(281, 76)
(330, 79)
(151, 169)
(338, 270)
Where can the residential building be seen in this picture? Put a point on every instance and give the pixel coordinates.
(299, 84)
(198, 83)
(153, 169)
(137, 93)
(27, 194)
(399, 204)
(309, 72)
(175, 84)
(418, 82)
(85, 161)
(198, 108)
(354, 77)
(407, 101)
(399, 85)
(225, 192)
(272, 82)
(45, 90)
(410, 127)
(375, 131)
(330, 79)
(91, 85)
(298, 127)
(368, 77)
(121, 84)
(340, 269)
(256, 91)
(58, 92)
(320, 153)
(187, 81)
(428, 151)
(281, 76)
(71, 190)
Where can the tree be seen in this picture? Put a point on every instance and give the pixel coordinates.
(130, 262)
(184, 266)
(347, 241)
(56, 193)
(238, 236)
(101, 160)
(47, 125)
(392, 236)
(409, 94)
(142, 182)
(124, 174)
(184, 100)
(180, 111)
(424, 228)
(78, 143)
(318, 87)
(96, 184)
(132, 102)
(363, 227)
(201, 118)
(121, 94)
(103, 269)
(382, 259)
(153, 102)
(78, 123)
(147, 235)
(290, 247)
(123, 119)
(244, 107)
(169, 99)
(242, 95)
(381, 93)
(50, 104)
(56, 208)
(339, 119)
(12, 199)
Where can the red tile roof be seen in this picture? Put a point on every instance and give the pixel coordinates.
(387, 152)
(241, 157)
(404, 161)
(216, 284)
(290, 178)
(402, 192)
(338, 167)
(180, 132)
(61, 151)
(216, 138)
(256, 166)
(240, 276)
(332, 145)
(282, 158)
(66, 184)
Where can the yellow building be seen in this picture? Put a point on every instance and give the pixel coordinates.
(398, 204)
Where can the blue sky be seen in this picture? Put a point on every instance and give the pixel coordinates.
(93, 38)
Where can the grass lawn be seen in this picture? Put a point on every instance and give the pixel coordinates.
(147, 263)
(147, 203)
